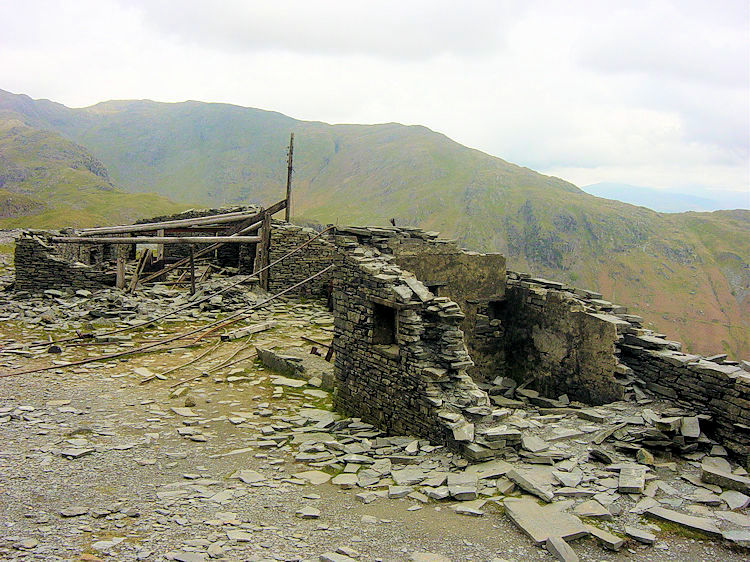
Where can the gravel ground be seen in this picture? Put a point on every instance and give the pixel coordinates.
(153, 484)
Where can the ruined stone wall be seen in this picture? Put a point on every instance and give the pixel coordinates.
(476, 282)
(316, 256)
(39, 266)
(560, 341)
(413, 380)
(91, 254)
(701, 385)
(564, 337)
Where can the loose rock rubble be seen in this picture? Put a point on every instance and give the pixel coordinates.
(251, 464)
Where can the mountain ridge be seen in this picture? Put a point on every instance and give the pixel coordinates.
(687, 272)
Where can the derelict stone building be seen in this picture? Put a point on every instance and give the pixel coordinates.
(429, 339)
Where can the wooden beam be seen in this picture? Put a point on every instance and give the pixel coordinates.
(248, 225)
(153, 226)
(218, 229)
(160, 247)
(138, 269)
(156, 239)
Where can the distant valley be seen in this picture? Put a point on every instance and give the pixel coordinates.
(687, 273)
(669, 201)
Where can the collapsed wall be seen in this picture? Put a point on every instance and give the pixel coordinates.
(39, 266)
(400, 354)
(562, 341)
(474, 281)
(705, 386)
(571, 340)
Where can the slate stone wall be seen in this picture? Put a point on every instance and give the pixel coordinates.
(416, 384)
(313, 258)
(552, 337)
(700, 385)
(39, 266)
(476, 282)
(573, 341)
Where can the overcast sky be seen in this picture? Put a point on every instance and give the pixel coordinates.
(653, 93)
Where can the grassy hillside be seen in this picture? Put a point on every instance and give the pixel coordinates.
(687, 273)
(47, 180)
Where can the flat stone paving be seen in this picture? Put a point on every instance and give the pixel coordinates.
(243, 470)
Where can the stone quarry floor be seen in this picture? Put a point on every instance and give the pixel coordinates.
(238, 465)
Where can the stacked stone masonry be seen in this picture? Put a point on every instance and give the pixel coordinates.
(423, 328)
(561, 340)
(40, 267)
(413, 381)
(719, 390)
(315, 257)
(715, 387)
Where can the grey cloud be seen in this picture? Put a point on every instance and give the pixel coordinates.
(695, 42)
(725, 125)
(390, 29)
(688, 58)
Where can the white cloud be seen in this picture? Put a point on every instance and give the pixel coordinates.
(393, 29)
(650, 93)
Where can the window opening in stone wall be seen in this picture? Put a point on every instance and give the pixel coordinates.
(435, 287)
(384, 325)
(496, 309)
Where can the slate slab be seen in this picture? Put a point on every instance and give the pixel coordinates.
(528, 483)
(735, 500)
(248, 476)
(462, 486)
(593, 508)
(542, 522)
(561, 550)
(690, 521)
(534, 444)
(605, 538)
(641, 535)
(408, 476)
(632, 480)
(314, 477)
(345, 480)
(713, 475)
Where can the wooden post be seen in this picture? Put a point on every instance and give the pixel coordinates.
(192, 271)
(160, 247)
(120, 283)
(288, 212)
(261, 251)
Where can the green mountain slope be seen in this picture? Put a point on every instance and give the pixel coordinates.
(688, 273)
(47, 180)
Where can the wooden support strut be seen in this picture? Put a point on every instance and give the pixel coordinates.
(192, 271)
(120, 280)
(263, 253)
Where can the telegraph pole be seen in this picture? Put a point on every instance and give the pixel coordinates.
(289, 179)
